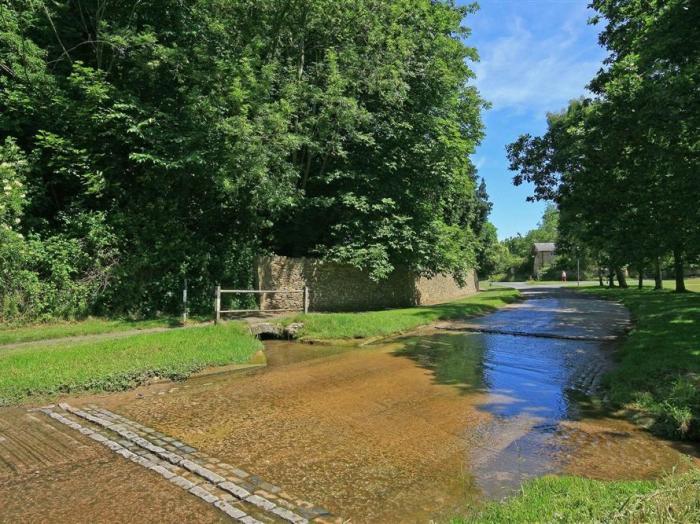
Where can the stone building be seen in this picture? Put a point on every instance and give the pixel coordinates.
(544, 253)
(340, 287)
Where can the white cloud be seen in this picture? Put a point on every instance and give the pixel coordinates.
(524, 72)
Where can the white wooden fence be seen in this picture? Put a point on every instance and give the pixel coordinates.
(217, 299)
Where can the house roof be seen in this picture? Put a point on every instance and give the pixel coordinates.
(545, 246)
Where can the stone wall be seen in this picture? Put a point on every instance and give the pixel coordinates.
(338, 287)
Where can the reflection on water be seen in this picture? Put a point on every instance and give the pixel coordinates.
(536, 391)
(417, 429)
(530, 385)
(525, 376)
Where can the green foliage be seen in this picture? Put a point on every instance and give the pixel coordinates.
(13, 166)
(329, 326)
(622, 165)
(121, 363)
(191, 137)
(514, 257)
(58, 275)
(490, 252)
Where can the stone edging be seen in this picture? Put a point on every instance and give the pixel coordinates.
(250, 497)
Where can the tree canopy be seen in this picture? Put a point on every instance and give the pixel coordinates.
(161, 140)
(622, 164)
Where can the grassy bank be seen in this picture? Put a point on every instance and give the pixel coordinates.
(675, 498)
(111, 365)
(90, 326)
(659, 362)
(335, 326)
(658, 374)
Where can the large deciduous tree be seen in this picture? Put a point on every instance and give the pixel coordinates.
(194, 135)
(622, 166)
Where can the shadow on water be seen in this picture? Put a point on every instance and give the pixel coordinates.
(523, 375)
(536, 391)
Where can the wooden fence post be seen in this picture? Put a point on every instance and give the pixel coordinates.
(184, 303)
(217, 305)
(306, 299)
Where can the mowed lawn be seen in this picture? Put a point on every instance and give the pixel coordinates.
(122, 363)
(89, 326)
(692, 284)
(335, 326)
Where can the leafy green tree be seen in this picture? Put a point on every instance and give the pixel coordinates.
(489, 253)
(197, 135)
(652, 82)
(622, 166)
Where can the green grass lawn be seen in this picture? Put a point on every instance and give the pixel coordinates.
(335, 326)
(659, 362)
(692, 284)
(675, 498)
(90, 326)
(123, 363)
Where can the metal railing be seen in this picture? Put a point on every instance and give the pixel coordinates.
(217, 300)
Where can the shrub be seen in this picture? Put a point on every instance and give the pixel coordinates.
(57, 276)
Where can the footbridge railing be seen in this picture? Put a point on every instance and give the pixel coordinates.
(219, 292)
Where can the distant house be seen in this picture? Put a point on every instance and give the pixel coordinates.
(544, 253)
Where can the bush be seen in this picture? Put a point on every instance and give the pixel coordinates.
(58, 276)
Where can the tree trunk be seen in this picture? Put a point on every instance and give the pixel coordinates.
(600, 277)
(611, 278)
(640, 278)
(621, 281)
(678, 269)
(658, 281)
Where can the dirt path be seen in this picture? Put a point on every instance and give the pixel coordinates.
(251, 319)
(413, 430)
(98, 336)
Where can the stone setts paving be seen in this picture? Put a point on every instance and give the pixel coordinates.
(242, 496)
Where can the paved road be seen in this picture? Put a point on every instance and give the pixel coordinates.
(555, 312)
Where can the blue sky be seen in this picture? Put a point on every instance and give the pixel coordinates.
(536, 55)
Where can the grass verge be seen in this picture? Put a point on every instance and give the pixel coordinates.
(335, 326)
(659, 369)
(674, 498)
(90, 326)
(119, 364)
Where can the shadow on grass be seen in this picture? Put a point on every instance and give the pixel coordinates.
(659, 362)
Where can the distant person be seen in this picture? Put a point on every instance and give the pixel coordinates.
(563, 276)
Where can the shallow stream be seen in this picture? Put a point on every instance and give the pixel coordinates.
(415, 428)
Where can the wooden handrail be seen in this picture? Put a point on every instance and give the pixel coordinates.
(219, 291)
(262, 291)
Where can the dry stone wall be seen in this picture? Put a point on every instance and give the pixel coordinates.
(339, 287)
